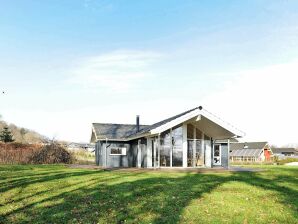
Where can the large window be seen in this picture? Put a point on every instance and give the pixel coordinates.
(207, 142)
(157, 151)
(195, 152)
(171, 152)
(177, 146)
(171, 147)
(190, 160)
(199, 154)
(165, 148)
(190, 145)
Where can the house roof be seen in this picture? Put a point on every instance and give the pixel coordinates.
(115, 131)
(160, 123)
(246, 152)
(284, 150)
(247, 145)
(128, 131)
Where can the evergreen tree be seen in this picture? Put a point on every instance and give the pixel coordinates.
(6, 135)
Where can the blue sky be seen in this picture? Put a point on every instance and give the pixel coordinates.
(65, 64)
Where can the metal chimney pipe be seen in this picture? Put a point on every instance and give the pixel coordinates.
(138, 123)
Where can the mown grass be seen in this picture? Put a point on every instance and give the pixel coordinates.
(57, 194)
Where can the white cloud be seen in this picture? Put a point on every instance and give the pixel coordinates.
(118, 70)
(262, 102)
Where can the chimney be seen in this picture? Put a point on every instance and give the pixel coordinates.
(138, 123)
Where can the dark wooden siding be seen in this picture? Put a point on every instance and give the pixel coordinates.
(98, 154)
(104, 157)
(117, 160)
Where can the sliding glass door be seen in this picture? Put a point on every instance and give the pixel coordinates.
(190, 146)
(165, 149)
(195, 151)
(171, 153)
(177, 140)
(199, 153)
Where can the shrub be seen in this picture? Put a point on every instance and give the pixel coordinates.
(52, 153)
(17, 153)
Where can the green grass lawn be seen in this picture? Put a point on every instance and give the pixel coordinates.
(57, 194)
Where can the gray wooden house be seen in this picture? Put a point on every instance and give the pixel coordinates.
(194, 138)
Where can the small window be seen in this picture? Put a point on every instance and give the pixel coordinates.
(118, 151)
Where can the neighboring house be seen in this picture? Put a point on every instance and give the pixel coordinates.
(190, 139)
(250, 151)
(283, 152)
(90, 147)
(81, 146)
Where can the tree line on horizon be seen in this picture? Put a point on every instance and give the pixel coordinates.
(13, 133)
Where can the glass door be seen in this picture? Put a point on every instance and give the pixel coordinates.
(199, 154)
(195, 149)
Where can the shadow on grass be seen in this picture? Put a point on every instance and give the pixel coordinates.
(25, 181)
(154, 199)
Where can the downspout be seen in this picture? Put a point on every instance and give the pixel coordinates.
(106, 159)
(228, 153)
(158, 149)
(212, 150)
(96, 153)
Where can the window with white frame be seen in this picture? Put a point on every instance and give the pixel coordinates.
(121, 151)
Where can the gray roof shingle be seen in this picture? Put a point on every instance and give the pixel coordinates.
(284, 150)
(246, 152)
(115, 131)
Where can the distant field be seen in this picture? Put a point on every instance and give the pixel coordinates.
(57, 194)
(84, 157)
